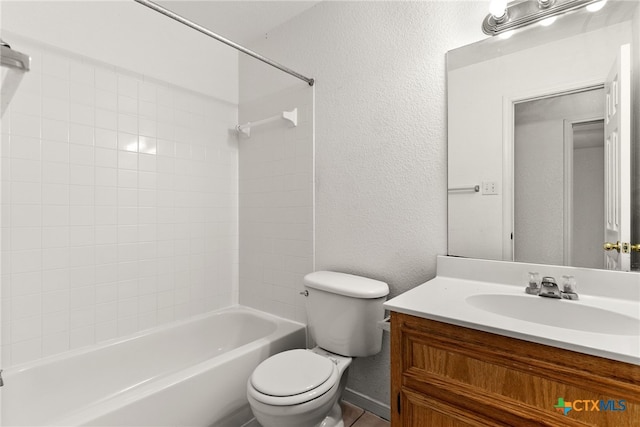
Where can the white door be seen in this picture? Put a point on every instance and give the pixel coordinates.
(617, 159)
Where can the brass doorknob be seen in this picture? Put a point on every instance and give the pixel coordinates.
(636, 247)
(610, 246)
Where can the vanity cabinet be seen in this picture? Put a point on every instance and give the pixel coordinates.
(444, 376)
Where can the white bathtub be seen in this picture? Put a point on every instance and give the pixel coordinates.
(189, 373)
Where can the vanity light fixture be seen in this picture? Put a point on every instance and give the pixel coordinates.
(594, 7)
(505, 16)
(498, 10)
(548, 21)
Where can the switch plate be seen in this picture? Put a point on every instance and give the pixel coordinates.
(489, 188)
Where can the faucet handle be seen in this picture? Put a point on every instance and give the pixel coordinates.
(568, 283)
(533, 288)
(569, 287)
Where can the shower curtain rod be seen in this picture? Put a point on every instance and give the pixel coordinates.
(218, 37)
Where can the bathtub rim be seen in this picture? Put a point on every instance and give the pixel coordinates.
(18, 368)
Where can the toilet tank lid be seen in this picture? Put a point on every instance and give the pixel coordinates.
(346, 284)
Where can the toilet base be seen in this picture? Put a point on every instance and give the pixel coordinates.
(334, 419)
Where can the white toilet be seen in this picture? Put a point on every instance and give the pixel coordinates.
(302, 388)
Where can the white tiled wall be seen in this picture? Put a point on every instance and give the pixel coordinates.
(276, 204)
(119, 205)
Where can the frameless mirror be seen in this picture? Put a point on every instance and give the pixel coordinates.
(543, 146)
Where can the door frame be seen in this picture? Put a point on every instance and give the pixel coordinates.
(567, 223)
(508, 145)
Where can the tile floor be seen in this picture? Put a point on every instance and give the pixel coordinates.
(357, 417)
(352, 416)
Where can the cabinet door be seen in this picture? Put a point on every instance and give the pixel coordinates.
(419, 410)
(445, 375)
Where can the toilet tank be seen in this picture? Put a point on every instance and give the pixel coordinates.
(343, 311)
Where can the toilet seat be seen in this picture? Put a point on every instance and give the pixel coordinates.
(292, 377)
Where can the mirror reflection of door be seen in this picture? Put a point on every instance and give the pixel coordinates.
(585, 140)
(617, 206)
(559, 179)
(572, 172)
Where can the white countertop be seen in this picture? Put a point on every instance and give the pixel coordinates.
(444, 299)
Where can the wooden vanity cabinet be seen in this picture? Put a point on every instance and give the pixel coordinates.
(444, 376)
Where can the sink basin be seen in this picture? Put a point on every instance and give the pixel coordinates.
(559, 313)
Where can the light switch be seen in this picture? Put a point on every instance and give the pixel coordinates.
(489, 188)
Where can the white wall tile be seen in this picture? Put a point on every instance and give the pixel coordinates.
(55, 173)
(25, 215)
(26, 328)
(106, 264)
(127, 178)
(82, 93)
(26, 238)
(55, 343)
(127, 86)
(55, 65)
(81, 113)
(25, 351)
(106, 176)
(55, 87)
(106, 79)
(106, 138)
(106, 331)
(82, 337)
(81, 317)
(25, 306)
(54, 280)
(81, 73)
(24, 283)
(111, 211)
(81, 134)
(54, 130)
(106, 215)
(106, 100)
(127, 123)
(55, 306)
(127, 160)
(25, 147)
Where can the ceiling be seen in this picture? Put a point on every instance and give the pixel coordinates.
(240, 21)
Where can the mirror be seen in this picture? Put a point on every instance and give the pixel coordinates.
(530, 174)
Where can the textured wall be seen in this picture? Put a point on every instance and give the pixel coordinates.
(380, 129)
(276, 203)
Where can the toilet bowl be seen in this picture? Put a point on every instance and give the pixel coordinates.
(302, 388)
(299, 388)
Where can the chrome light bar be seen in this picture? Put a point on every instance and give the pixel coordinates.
(520, 14)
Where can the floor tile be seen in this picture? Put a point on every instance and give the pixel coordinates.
(352, 417)
(370, 420)
(350, 413)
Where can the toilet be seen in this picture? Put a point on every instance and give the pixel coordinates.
(302, 388)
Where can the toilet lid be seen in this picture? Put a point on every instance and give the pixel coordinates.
(291, 372)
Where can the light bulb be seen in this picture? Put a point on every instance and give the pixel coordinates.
(594, 7)
(498, 8)
(506, 34)
(548, 21)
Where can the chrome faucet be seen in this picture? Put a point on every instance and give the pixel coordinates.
(549, 288)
